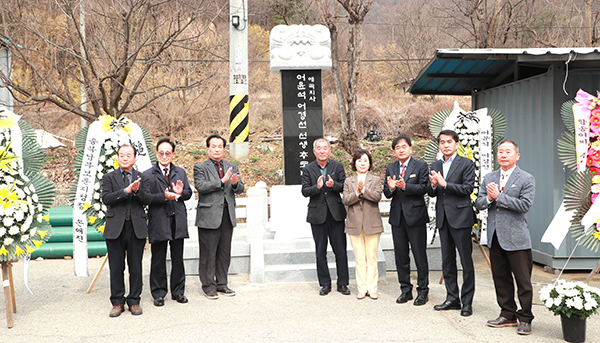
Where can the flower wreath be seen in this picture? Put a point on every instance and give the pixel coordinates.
(579, 150)
(25, 195)
(477, 135)
(114, 133)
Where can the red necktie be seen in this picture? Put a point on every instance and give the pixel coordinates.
(167, 174)
(221, 174)
(403, 171)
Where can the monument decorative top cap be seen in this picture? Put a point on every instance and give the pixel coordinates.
(300, 47)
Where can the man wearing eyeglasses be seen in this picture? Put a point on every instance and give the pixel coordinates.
(167, 223)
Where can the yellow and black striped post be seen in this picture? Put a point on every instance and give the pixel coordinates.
(238, 118)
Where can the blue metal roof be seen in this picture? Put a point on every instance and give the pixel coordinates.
(463, 71)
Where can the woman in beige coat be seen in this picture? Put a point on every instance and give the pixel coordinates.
(362, 193)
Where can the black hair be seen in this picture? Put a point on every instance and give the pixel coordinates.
(165, 140)
(214, 135)
(400, 138)
(449, 133)
(134, 149)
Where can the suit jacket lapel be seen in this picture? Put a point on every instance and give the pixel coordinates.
(453, 166)
(212, 170)
(514, 176)
(409, 169)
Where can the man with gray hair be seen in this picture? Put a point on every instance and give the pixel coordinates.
(508, 194)
(323, 182)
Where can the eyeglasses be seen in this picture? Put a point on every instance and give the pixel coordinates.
(164, 154)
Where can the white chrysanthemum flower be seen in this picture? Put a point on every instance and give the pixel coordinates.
(104, 208)
(40, 207)
(1, 211)
(32, 187)
(99, 175)
(26, 224)
(102, 158)
(96, 207)
(20, 193)
(13, 230)
(558, 300)
(24, 238)
(99, 168)
(9, 179)
(97, 196)
(578, 303)
(26, 179)
(35, 197)
(2, 232)
(101, 215)
(27, 190)
(32, 232)
(549, 302)
(31, 209)
(9, 211)
(19, 215)
(97, 186)
(109, 151)
(8, 241)
(39, 218)
(8, 221)
(570, 302)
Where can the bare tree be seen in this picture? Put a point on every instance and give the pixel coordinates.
(488, 23)
(348, 101)
(122, 60)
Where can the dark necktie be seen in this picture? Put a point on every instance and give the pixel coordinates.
(126, 183)
(167, 175)
(221, 174)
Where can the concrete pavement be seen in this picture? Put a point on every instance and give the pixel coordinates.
(60, 310)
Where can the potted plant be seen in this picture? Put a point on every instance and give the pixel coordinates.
(574, 302)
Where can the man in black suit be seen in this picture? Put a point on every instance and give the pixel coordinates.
(167, 223)
(452, 180)
(125, 191)
(323, 181)
(406, 184)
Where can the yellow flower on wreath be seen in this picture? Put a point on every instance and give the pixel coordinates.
(597, 235)
(108, 123)
(7, 119)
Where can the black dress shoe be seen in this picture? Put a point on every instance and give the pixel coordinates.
(447, 305)
(501, 322)
(325, 290)
(343, 289)
(180, 298)
(160, 301)
(226, 291)
(524, 328)
(466, 311)
(404, 297)
(421, 300)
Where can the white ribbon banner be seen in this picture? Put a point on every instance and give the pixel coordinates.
(85, 186)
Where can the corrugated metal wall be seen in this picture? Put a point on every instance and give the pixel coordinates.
(532, 109)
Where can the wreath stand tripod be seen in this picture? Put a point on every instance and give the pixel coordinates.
(9, 291)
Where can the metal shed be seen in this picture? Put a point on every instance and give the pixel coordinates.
(5, 67)
(528, 86)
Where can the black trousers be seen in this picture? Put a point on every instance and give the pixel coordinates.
(453, 239)
(416, 236)
(505, 265)
(215, 254)
(126, 245)
(334, 232)
(158, 266)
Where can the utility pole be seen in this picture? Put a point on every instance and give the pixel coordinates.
(238, 79)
